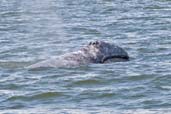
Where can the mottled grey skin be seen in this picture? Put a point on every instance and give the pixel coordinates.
(94, 52)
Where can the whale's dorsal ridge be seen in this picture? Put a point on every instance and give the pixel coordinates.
(95, 52)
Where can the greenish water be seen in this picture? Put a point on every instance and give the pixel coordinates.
(34, 30)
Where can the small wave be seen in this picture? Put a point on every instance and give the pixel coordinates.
(107, 95)
(46, 110)
(46, 95)
(13, 64)
(87, 82)
(139, 77)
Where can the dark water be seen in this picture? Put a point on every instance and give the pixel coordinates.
(33, 30)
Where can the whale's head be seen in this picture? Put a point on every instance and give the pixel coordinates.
(105, 51)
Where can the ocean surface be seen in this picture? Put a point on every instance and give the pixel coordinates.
(34, 30)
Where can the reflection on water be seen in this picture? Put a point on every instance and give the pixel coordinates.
(34, 30)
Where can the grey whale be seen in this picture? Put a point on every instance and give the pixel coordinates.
(94, 52)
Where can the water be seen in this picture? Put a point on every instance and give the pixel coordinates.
(34, 30)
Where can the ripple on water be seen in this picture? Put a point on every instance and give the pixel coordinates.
(38, 96)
